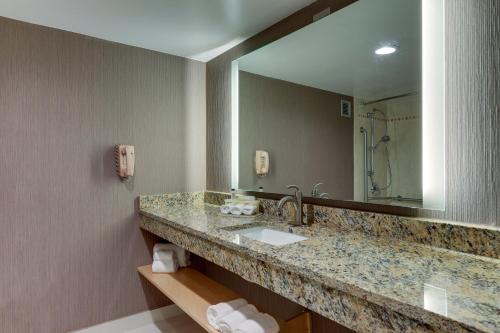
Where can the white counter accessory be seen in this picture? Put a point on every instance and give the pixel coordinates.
(218, 311)
(182, 255)
(248, 209)
(225, 209)
(230, 322)
(259, 323)
(237, 209)
(166, 262)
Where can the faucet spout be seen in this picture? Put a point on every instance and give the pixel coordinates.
(296, 200)
(283, 201)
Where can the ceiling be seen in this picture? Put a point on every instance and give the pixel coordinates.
(196, 29)
(336, 53)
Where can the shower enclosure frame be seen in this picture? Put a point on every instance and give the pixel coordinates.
(369, 171)
(369, 168)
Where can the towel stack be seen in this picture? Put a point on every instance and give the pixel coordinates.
(243, 205)
(237, 316)
(168, 257)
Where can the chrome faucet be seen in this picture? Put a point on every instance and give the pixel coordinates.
(315, 193)
(296, 201)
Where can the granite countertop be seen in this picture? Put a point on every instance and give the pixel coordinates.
(428, 284)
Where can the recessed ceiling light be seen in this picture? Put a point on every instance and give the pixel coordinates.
(386, 50)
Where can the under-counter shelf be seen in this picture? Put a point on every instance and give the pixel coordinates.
(194, 292)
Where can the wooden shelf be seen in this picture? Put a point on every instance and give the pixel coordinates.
(194, 292)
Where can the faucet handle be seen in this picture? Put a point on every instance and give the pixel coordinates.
(315, 189)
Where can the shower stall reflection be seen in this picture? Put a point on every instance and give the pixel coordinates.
(390, 159)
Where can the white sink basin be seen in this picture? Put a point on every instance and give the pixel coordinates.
(270, 236)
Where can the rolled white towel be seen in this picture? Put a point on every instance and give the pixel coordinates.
(165, 266)
(225, 209)
(230, 322)
(248, 209)
(217, 311)
(259, 323)
(181, 254)
(236, 209)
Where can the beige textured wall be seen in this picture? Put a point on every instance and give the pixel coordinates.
(472, 107)
(69, 242)
(301, 128)
(473, 111)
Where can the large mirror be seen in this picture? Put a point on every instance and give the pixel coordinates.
(353, 101)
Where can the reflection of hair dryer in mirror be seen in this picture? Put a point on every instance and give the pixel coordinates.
(125, 158)
(261, 163)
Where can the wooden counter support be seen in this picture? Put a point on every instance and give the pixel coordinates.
(194, 292)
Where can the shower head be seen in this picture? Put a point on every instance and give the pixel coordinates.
(383, 139)
(374, 111)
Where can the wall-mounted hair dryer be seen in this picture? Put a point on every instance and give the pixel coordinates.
(125, 160)
(261, 163)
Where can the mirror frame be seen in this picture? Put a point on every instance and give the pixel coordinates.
(345, 204)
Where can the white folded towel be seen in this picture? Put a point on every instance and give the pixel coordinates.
(236, 209)
(259, 323)
(181, 254)
(164, 255)
(217, 311)
(225, 209)
(249, 209)
(165, 266)
(230, 322)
